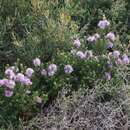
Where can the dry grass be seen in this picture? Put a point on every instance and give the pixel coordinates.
(82, 111)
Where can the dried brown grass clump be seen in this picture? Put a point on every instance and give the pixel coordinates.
(82, 111)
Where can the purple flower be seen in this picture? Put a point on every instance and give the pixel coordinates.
(19, 77)
(91, 39)
(9, 73)
(51, 73)
(116, 54)
(8, 93)
(118, 61)
(29, 72)
(52, 69)
(27, 81)
(37, 62)
(68, 69)
(2, 82)
(77, 43)
(111, 36)
(108, 76)
(125, 59)
(44, 72)
(81, 55)
(103, 24)
(10, 84)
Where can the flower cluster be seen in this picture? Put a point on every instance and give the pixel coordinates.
(103, 24)
(13, 77)
(110, 38)
(37, 62)
(121, 60)
(94, 38)
(52, 68)
(68, 69)
(80, 54)
(77, 43)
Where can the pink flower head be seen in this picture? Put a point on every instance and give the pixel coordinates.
(37, 62)
(116, 54)
(81, 55)
(8, 93)
(118, 61)
(9, 73)
(77, 43)
(29, 72)
(51, 73)
(1, 82)
(27, 81)
(52, 69)
(111, 36)
(10, 84)
(91, 39)
(44, 72)
(68, 69)
(19, 77)
(103, 24)
(125, 59)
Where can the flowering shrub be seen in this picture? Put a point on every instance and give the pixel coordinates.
(63, 45)
(17, 95)
(97, 57)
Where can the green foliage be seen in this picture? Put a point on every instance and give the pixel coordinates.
(46, 25)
